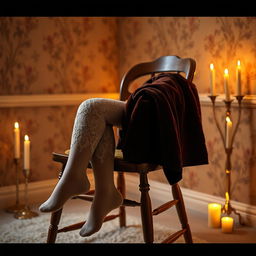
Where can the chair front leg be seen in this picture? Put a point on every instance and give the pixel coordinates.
(53, 228)
(146, 209)
(55, 218)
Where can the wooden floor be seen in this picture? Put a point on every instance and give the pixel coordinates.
(197, 220)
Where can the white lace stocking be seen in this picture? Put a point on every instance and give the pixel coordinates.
(92, 117)
(92, 139)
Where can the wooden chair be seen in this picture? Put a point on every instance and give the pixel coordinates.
(162, 64)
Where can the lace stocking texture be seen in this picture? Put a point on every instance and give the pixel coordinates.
(92, 118)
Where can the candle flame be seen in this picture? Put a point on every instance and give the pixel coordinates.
(26, 138)
(238, 63)
(227, 219)
(211, 66)
(215, 205)
(16, 125)
(226, 71)
(228, 120)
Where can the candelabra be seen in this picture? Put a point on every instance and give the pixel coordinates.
(25, 213)
(17, 207)
(227, 208)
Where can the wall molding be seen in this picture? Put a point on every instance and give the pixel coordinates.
(46, 100)
(249, 101)
(38, 191)
(160, 192)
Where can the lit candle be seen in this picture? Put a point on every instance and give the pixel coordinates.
(214, 213)
(226, 77)
(212, 79)
(227, 224)
(228, 132)
(16, 140)
(238, 78)
(26, 153)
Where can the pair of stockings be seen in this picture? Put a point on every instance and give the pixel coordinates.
(92, 140)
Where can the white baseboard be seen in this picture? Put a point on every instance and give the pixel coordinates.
(39, 191)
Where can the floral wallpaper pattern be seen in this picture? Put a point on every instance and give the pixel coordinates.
(58, 55)
(220, 40)
(41, 55)
(17, 74)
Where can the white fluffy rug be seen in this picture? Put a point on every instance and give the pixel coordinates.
(35, 231)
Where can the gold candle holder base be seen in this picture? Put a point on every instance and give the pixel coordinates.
(17, 207)
(25, 213)
(228, 209)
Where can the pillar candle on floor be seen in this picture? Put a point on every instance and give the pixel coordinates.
(214, 212)
(227, 224)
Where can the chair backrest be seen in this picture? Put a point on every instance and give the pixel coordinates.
(162, 64)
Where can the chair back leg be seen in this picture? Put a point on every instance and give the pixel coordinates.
(121, 189)
(180, 206)
(146, 209)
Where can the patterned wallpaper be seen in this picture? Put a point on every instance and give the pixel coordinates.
(41, 55)
(58, 55)
(219, 40)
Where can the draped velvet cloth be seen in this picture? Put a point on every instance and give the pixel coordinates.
(162, 125)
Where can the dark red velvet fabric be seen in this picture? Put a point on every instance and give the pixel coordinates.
(162, 125)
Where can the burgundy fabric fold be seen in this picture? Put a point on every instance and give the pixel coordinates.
(162, 125)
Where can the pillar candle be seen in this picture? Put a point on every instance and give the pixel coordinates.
(227, 224)
(226, 78)
(214, 213)
(228, 132)
(212, 80)
(26, 152)
(16, 140)
(238, 78)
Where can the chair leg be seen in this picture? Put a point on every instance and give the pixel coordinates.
(53, 228)
(121, 189)
(146, 209)
(55, 218)
(180, 206)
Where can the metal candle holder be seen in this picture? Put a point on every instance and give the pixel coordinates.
(17, 207)
(25, 213)
(227, 208)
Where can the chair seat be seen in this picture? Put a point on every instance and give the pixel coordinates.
(120, 165)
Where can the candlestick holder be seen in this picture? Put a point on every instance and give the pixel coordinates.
(227, 208)
(25, 213)
(17, 207)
